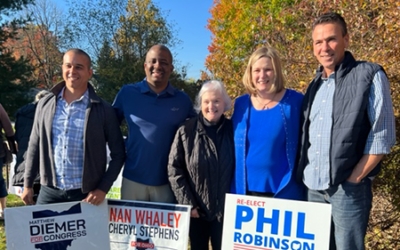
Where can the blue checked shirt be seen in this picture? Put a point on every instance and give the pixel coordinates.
(67, 134)
(380, 139)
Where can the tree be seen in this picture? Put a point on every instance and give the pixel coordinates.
(241, 26)
(14, 82)
(38, 46)
(121, 59)
(94, 22)
(42, 39)
(142, 27)
(108, 74)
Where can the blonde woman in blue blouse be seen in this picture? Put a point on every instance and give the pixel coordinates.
(266, 126)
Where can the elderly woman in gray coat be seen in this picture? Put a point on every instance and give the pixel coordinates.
(201, 165)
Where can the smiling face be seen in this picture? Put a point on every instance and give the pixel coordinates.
(329, 45)
(212, 105)
(158, 68)
(76, 71)
(262, 74)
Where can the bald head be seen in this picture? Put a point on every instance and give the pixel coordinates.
(161, 48)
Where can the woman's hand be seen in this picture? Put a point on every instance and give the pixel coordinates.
(194, 213)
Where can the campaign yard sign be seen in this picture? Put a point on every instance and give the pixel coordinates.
(115, 190)
(252, 222)
(148, 225)
(61, 226)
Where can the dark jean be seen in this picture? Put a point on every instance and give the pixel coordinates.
(351, 205)
(48, 195)
(201, 231)
(3, 188)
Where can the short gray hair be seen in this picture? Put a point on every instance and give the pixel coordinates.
(217, 86)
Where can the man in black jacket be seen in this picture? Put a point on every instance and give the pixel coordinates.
(71, 129)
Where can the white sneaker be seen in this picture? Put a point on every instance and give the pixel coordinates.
(1, 215)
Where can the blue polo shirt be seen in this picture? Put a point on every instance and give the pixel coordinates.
(152, 122)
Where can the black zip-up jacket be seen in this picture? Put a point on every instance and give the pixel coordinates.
(200, 175)
(23, 128)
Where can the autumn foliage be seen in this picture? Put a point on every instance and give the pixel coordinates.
(240, 27)
(38, 45)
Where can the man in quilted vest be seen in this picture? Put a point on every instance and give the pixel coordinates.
(347, 127)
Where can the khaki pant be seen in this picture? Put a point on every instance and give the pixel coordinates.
(131, 190)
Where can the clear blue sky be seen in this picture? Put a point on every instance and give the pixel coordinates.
(190, 18)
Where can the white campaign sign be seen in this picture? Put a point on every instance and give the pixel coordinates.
(148, 225)
(13, 189)
(252, 222)
(72, 225)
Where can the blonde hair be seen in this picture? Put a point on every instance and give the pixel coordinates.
(278, 83)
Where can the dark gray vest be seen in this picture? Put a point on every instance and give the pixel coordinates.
(350, 123)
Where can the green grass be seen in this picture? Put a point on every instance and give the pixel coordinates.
(12, 201)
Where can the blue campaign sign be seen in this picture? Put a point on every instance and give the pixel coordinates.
(265, 223)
